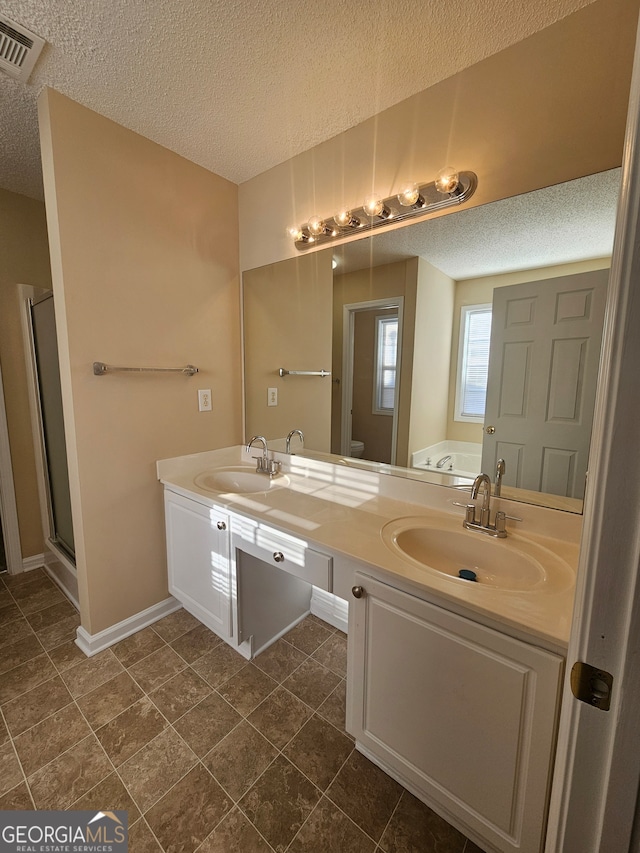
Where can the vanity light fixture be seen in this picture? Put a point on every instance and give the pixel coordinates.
(449, 188)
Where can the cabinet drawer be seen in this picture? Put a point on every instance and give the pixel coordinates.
(288, 553)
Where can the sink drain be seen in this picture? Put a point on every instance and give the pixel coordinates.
(467, 575)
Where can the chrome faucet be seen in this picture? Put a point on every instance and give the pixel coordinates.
(293, 432)
(501, 467)
(264, 465)
(442, 462)
(484, 525)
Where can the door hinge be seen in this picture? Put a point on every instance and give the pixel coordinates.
(591, 685)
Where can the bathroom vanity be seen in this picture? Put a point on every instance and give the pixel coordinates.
(452, 686)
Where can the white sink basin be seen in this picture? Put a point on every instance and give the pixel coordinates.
(239, 479)
(508, 564)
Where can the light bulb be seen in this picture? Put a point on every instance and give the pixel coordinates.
(447, 180)
(409, 196)
(295, 233)
(375, 206)
(345, 219)
(316, 226)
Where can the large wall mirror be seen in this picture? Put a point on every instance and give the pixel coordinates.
(452, 343)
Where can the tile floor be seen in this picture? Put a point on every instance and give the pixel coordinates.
(205, 750)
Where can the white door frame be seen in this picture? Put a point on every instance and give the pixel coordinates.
(8, 507)
(348, 326)
(594, 801)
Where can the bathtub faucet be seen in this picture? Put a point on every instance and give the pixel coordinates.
(442, 462)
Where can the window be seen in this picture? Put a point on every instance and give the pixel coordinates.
(385, 368)
(473, 363)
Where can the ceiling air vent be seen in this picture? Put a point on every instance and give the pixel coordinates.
(19, 49)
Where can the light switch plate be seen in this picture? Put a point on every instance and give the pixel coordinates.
(204, 400)
(272, 397)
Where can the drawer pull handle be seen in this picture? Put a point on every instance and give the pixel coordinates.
(222, 525)
(278, 556)
(357, 591)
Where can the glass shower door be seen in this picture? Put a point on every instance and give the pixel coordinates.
(45, 346)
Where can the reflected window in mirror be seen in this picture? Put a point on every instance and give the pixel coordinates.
(473, 363)
(386, 363)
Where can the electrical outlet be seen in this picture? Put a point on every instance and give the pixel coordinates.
(204, 400)
(272, 396)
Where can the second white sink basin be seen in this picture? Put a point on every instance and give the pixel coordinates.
(510, 564)
(240, 479)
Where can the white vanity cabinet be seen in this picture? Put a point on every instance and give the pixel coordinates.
(462, 715)
(199, 562)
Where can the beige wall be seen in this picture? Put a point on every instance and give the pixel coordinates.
(546, 110)
(431, 357)
(144, 254)
(475, 291)
(383, 282)
(24, 259)
(287, 323)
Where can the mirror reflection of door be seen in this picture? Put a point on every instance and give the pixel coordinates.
(543, 367)
(371, 371)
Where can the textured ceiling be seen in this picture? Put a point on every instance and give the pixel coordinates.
(569, 222)
(239, 86)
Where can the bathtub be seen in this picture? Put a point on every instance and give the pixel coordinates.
(465, 458)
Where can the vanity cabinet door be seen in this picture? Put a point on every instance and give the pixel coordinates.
(464, 716)
(198, 561)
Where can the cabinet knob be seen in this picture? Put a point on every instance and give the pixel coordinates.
(278, 556)
(222, 525)
(357, 591)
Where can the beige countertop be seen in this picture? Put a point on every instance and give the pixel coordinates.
(343, 510)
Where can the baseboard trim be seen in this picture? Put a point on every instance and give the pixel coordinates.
(31, 563)
(91, 644)
(330, 608)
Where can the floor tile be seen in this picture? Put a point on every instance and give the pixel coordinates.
(50, 615)
(280, 716)
(470, 847)
(319, 750)
(247, 689)
(333, 653)
(280, 660)
(157, 668)
(195, 643)
(44, 598)
(415, 827)
(123, 736)
(189, 812)
(137, 646)
(308, 635)
(14, 581)
(25, 677)
(4, 732)
(30, 585)
(207, 723)
(20, 652)
(108, 795)
(156, 768)
(328, 830)
(33, 707)
(312, 683)
(280, 802)
(366, 794)
(239, 758)
(218, 665)
(175, 625)
(178, 695)
(61, 632)
(17, 799)
(9, 610)
(235, 832)
(48, 739)
(110, 699)
(70, 775)
(334, 707)
(142, 840)
(15, 630)
(90, 673)
(66, 656)
(10, 772)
